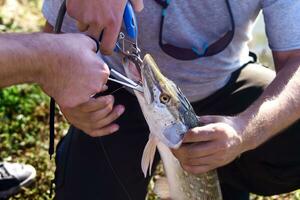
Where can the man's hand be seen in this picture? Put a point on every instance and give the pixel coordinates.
(210, 146)
(95, 16)
(96, 116)
(71, 72)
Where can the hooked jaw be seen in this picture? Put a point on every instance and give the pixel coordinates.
(166, 121)
(165, 117)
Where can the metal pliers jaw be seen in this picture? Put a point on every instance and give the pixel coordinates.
(129, 49)
(127, 45)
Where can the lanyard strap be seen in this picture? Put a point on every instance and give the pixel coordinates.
(57, 30)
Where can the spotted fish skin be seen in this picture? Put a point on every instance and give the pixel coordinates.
(186, 186)
(183, 185)
(169, 115)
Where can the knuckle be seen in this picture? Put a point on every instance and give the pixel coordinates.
(112, 21)
(108, 108)
(71, 9)
(95, 20)
(103, 69)
(96, 88)
(222, 146)
(105, 72)
(220, 133)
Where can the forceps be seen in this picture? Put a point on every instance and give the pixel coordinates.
(123, 80)
(128, 49)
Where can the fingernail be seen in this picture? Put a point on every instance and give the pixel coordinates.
(114, 129)
(120, 110)
(105, 87)
(108, 99)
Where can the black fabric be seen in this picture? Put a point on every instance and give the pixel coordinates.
(83, 172)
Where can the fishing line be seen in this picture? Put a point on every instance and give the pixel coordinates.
(116, 90)
(111, 166)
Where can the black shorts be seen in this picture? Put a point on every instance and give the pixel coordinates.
(108, 168)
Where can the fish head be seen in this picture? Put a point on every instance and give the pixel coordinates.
(165, 108)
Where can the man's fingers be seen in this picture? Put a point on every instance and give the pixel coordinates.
(95, 104)
(112, 116)
(104, 130)
(95, 31)
(206, 160)
(82, 26)
(109, 39)
(200, 134)
(197, 169)
(191, 151)
(210, 119)
(138, 5)
(97, 116)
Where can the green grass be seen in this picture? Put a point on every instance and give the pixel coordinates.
(24, 113)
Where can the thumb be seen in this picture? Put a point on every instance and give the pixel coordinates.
(208, 119)
(138, 5)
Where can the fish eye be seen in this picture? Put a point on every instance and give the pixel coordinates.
(164, 98)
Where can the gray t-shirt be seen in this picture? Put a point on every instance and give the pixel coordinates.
(194, 23)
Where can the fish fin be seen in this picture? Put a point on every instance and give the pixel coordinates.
(161, 188)
(148, 155)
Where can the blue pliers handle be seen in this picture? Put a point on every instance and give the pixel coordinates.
(130, 22)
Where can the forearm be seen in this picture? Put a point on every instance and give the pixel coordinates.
(20, 60)
(276, 109)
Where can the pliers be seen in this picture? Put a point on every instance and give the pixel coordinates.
(128, 48)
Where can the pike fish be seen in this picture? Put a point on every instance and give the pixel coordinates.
(169, 116)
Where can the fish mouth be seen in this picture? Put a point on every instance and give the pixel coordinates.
(155, 83)
(148, 76)
(133, 72)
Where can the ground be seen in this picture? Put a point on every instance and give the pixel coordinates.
(24, 112)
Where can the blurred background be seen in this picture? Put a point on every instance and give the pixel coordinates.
(24, 108)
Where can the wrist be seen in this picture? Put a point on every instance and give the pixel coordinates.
(249, 140)
(34, 65)
(45, 52)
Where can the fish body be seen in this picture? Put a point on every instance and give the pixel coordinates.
(169, 116)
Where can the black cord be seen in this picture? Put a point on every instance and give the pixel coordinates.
(52, 128)
(57, 29)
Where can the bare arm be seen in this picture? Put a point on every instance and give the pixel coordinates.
(224, 138)
(278, 107)
(65, 66)
(19, 62)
